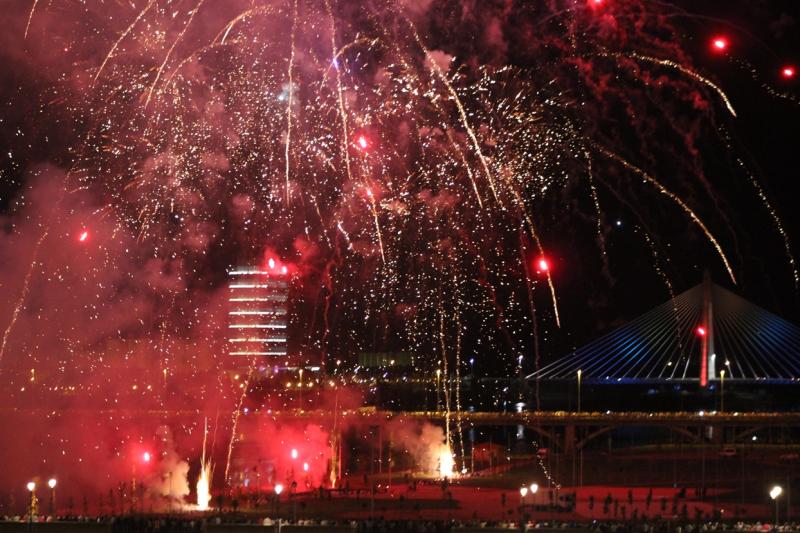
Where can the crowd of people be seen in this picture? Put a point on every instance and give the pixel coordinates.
(200, 524)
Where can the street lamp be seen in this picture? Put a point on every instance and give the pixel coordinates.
(52, 484)
(722, 391)
(580, 373)
(31, 486)
(301, 389)
(278, 490)
(775, 493)
(523, 491)
(534, 488)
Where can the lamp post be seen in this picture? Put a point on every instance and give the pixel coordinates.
(775, 493)
(278, 490)
(523, 491)
(534, 488)
(722, 391)
(580, 373)
(301, 389)
(52, 484)
(31, 486)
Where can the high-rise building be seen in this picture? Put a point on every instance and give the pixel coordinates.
(258, 315)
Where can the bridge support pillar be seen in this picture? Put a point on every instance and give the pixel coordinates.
(569, 438)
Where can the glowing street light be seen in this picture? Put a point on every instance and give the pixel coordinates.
(294, 456)
(300, 397)
(31, 486)
(775, 493)
(722, 391)
(52, 484)
(580, 373)
(788, 72)
(278, 489)
(701, 331)
(523, 491)
(534, 488)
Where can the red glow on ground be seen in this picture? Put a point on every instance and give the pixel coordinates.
(701, 331)
(788, 72)
(719, 44)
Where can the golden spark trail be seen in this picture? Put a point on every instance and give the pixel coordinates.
(30, 18)
(290, 101)
(787, 245)
(657, 265)
(452, 140)
(171, 48)
(345, 137)
(677, 66)
(535, 236)
(600, 237)
(457, 101)
(659, 269)
(457, 316)
(204, 480)
(374, 210)
(236, 414)
(675, 198)
(122, 38)
(445, 380)
(23, 294)
(342, 112)
(223, 35)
